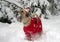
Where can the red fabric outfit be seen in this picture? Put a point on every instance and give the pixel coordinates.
(33, 28)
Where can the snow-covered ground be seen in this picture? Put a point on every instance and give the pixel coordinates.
(14, 32)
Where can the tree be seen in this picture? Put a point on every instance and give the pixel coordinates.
(53, 7)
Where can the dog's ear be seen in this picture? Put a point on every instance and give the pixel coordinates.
(21, 10)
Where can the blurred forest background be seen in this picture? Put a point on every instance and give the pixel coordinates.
(44, 8)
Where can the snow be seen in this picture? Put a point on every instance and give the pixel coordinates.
(14, 32)
(1, 14)
(9, 13)
(13, 1)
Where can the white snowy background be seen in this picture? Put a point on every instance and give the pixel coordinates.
(14, 32)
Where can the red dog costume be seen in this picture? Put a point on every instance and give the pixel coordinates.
(35, 27)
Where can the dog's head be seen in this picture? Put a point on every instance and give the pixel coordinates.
(24, 12)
